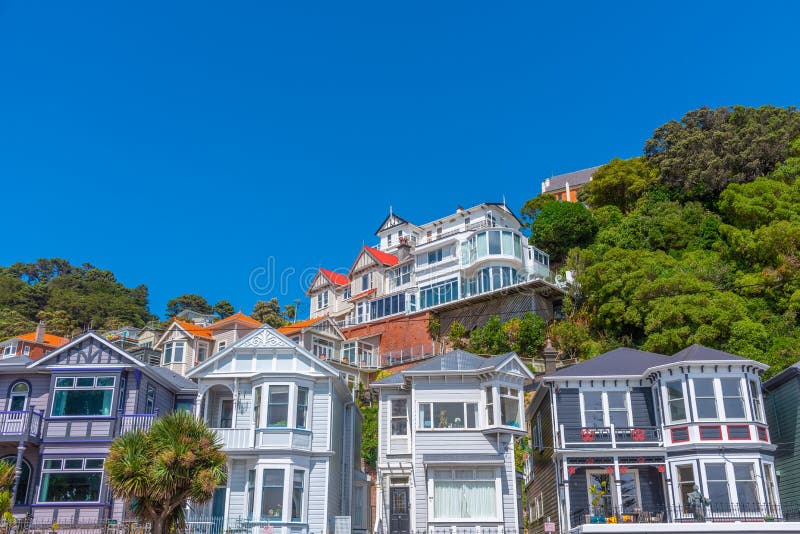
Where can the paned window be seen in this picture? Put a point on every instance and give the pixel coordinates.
(617, 408)
(18, 400)
(745, 480)
(732, 399)
(278, 406)
(685, 483)
(251, 492)
(84, 395)
(173, 352)
(509, 406)
(257, 406)
(302, 407)
(451, 415)
(399, 417)
(490, 406)
(705, 398)
(464, 494)
(71, 480)
(677, 407)
(593, 409)
(272, 495)
(297, 496)
(755, 391)
(717, 481)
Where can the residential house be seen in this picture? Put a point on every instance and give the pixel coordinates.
(566, 187)
(446, 433)
(782, 393)
(292, 434)
(625, 437)
(61, 413)
(184, 344)
(32, 345)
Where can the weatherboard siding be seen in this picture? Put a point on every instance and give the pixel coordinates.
(642, 406)
(237, 507)
(568, 403)
(320, 403)
(784, 420)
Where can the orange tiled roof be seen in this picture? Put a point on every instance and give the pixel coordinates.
(49, 339)
(299, 325)
(383, 257)
(363, 294)
(195, 330)
(236, 316)
(336, 278)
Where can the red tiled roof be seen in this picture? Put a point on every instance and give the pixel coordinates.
(336, 278)
(195, 330)
(49, 339)
(363, 294)
(299, 325)
(236, 316)
(383, 257)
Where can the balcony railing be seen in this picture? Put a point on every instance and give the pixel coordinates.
(21, 424)
(715, 512)
(135, 422)
(611, 436)
(379, 360)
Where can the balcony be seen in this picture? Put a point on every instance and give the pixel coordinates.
(135, 422)
(378, 360)
(610, 437)
(264, 438)
(21, 425)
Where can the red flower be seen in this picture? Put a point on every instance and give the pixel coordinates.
(590, 460)
(641, 459)
(609, 469)
(587, 434)
(637, 434)
(571, 470)
(661, 468)
(623, 469)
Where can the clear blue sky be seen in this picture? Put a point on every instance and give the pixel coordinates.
(182, 144)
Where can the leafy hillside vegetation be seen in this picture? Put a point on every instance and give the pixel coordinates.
(696, 241)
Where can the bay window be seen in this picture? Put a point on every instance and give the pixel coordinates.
(278, 406)
(272, 495)
(686, 483)
(71, 480)
(509, 407)
(755, 392)
(450, 415)
(677, 406)
(257, 406)
(302, 407)
(705, 398)
(281, 406)
(85, 395)
(717, 482)
(745, 482)
(251, 492)
(726, 393)
(297, 496)
(489, 406)
(732, 400)
(464, 494)
(281, 495)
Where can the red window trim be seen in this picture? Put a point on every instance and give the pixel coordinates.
(672, 434)
(728, 429)
(762, 433)
(700, 432)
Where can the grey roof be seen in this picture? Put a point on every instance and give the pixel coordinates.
(697, 352)
(455, 360)
(618, 362)
(782, 377)
(574, 178)
(15, 361)
(180, 381)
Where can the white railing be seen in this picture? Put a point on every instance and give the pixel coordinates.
(135, 422)
(20, 423)
(379, 360)
(234, 438)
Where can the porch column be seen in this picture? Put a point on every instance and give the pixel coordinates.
(567, 522)
(235, 402)
(205, 406)
(17, 472)
(617, 485)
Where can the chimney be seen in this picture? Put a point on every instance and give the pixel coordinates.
(39, 338)
(403, 249)
(550, 355)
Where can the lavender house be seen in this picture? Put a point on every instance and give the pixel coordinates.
(60, 415)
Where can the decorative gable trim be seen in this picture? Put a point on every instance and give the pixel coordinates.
(94, 339)
(390, 222)
(266, 339)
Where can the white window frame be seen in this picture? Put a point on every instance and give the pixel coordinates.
(322, 347)
(720, 399)
(604, 397)
(684, 398)
(431, 480)
(26, 350)
(465, 406)
(13, 394)
(733, 494)
(392, 417)
(288, 488)
(322, 300)
(219, 412)
(10, 350)
(76, 387)
(221, 345)
(202, 345)
(62, 468)
(756, 400)
(169, 348)
(612, 487)
(291, 416)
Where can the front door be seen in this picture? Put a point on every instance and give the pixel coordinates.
(218, 510)
(398, 510)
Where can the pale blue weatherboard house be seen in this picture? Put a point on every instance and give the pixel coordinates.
(292, 434)
(446, 444)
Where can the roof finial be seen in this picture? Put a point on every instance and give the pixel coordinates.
(390, 210)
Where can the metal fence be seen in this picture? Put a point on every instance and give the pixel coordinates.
(29, 526)
(715, 512)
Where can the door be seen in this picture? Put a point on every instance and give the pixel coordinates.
(218, 509)
(398, 510)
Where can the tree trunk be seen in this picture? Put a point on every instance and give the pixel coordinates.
(158, 525)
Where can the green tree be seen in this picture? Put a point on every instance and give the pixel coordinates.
(489, 338)
(13, 323)
(188, 301)
(59, 323)
(290, 312)
(708, 149)
(369, 435)
(223, 309)
(526, 334)
(457, 335)
(178, 459)
(531, 209)
(561, 226)
(269, 312)
(620, 183)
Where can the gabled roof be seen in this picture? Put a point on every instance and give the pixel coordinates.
(49, 339)
(336, 278)
(297, 326)
(15, 361)
(363, 294)
(382, 257)
(238, 316)
(193, 329)
(618, 362)
(456, 361)
(573, 178)
(391, 221)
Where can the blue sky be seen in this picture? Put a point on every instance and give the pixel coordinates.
(184, 144)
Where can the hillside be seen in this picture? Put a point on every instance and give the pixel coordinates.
(696, 241)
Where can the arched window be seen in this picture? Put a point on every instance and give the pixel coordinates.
(18, 398)
(24, 479)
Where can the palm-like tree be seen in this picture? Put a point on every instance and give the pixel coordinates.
(178, 460)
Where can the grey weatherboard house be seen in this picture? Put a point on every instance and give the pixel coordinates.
(60, 415)
(626, 436)
(783, 413)
(446, 432)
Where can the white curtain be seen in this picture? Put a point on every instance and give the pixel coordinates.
(464, 499)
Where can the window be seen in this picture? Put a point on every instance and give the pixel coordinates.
(732, 400)
(400, 276)
(449, 415)
(150, 400)
(225, 413)
(346, 293)
(123, 384)
(173, 352)
(24, 479)
(438, 293)
(366, 282)
(490, 279)
(272, 495)
(772, 493)
(468, 494)
(322, 300)
(399, 417)
(202, 352)
(537, 510)
(75, 396)
(184, 405)
(302, 407)
(677, 408)
(509, 406)
(322, 348)
(221, 346)
(18, 400)
(74, 480)
(717, 482)
(755, 392)
(387, 306)
(435, 256)
(10, 350)
(297, 496)
(257, 406)
(593, 409)
(746, 492)
(705, 398)
(605, 408)
(617, 408)
(490, 406)
(251, 492)
(685, 483)
(26, 351)
(278, 407)
(362, 312)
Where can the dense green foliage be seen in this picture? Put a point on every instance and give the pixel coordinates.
(524, 335)
(706, 253)
(69, 297)
(188, 301)
(269, 312)
(157, 471)
(559, 226)
(369, 435)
